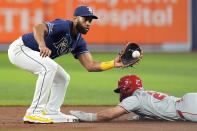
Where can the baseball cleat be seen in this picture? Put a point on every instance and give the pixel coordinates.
(36, 119)
(49, 118)
(61, 117)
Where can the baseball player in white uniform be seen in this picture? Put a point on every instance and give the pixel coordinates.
(146, 104)
(35, 52)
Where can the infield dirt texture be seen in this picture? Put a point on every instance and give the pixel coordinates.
(11, 119)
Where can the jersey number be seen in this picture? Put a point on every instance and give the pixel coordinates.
(156, 95)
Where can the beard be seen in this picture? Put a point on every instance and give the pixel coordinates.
(80, 28)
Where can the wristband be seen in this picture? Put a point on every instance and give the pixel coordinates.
(107, 65)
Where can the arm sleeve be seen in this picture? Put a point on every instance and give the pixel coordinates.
(80, 49)
(130, 104)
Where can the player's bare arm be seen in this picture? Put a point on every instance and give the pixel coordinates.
(39, 31)
(103, 115)
(87, 61)
(109, 114)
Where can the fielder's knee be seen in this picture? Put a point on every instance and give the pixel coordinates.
(47, 69)
(52, 67)
(67, 78)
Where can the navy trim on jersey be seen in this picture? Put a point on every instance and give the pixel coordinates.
(43, 78)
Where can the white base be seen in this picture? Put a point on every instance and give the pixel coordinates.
(62, 119)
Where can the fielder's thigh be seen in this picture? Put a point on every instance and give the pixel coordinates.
(30, 60)
(14, 49)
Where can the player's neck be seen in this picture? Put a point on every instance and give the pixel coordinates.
(74, 31)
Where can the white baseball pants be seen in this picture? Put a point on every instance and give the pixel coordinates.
(52, 79)
(187, 107)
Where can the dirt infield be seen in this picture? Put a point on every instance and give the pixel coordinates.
(11, 119)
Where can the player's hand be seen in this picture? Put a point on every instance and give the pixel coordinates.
(117, 62)
(44, 51)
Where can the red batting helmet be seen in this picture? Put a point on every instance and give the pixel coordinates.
(127, 85)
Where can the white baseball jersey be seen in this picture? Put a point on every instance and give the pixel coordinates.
(161, 106)
(152, 104)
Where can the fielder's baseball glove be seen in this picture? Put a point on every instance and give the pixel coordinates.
(128, 56)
